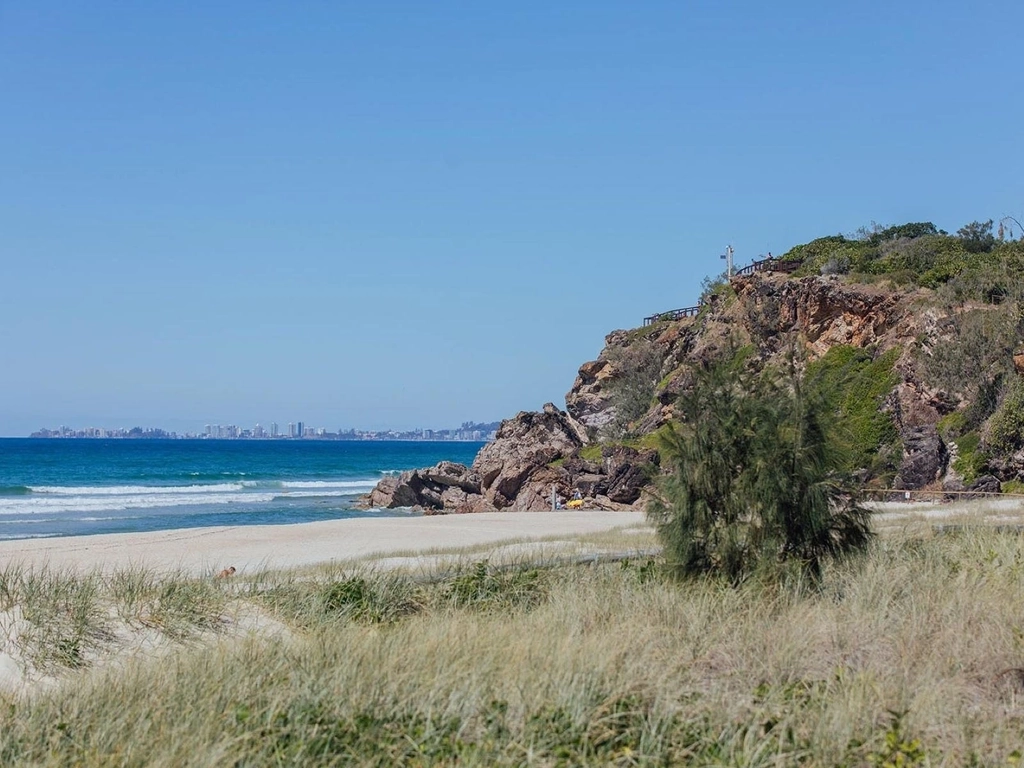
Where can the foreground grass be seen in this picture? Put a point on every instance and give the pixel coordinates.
(912, 656)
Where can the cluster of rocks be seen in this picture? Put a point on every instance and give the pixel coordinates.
(533, 456)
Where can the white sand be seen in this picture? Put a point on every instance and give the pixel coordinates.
(992, 509)
(204, 550)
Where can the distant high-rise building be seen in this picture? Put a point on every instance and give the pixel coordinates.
(291, 429)
(273, 429)
(300, 428)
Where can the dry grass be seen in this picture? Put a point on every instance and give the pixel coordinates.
(914, 654)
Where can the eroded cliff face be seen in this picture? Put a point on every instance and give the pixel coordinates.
(771, 314)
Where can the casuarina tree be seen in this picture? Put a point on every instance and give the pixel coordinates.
(752, 482)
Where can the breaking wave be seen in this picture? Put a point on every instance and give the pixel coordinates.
(90, 499)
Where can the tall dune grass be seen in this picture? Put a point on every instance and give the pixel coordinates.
(913, 656)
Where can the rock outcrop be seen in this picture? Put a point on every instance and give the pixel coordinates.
(985, 484)
(445, 486)
(924, 458)
(769, 314)
(523, 445)
(533, 456)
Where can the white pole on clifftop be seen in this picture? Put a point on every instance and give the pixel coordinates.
(728, 261)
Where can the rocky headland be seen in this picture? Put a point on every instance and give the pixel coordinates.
(928, 429)
(532, 455)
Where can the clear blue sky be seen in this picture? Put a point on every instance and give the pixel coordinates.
(385, 214)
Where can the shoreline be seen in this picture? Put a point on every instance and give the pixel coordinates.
(254, 547)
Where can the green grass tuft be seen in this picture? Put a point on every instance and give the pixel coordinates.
(971, 458)
(63, 614)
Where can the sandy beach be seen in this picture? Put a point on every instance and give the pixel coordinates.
(200, 550)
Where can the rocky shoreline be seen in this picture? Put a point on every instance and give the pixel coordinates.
(532, 454)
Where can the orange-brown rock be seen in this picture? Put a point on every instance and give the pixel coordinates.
(522, 445)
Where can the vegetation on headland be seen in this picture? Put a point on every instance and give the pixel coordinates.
(977, 263)
(849, 384)
(976, 277)
(605, 665)
(962, 294)
(917, 253)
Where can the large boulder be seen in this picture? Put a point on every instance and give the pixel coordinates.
(444, 485)
(524, 444)
(397, 491)
(591, 485)
(381, 496)
(535, 493)
(985, 484)
(629, 472)
(577, 465)
(588, 403)
(924, 458)
(457, 501)
(450, 474)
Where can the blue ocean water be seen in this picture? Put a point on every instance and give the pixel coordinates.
(78, 487)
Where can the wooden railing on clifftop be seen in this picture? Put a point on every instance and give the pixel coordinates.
(673, 314)
(771, 264)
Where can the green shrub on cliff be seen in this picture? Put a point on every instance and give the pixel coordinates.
(952, 425)
(818, 252)
(974, 360)
(971, 458)
(631, 389)
(916, 253)
(850, 384)
(1006, 427)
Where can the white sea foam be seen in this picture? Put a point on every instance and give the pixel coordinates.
(109, 503)
(312, 494)
(93, 499)
(368, 484)
(35, 521)
(108, 517)
(133, 490)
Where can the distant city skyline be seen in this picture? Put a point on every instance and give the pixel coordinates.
(468, 431)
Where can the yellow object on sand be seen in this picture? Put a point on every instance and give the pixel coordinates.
(575, 504)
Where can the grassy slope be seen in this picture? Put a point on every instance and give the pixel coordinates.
(600, 666)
